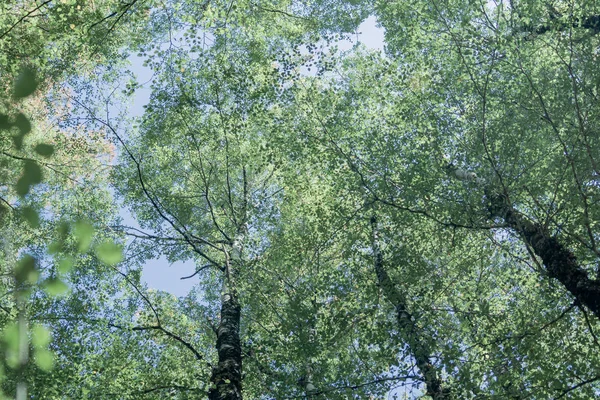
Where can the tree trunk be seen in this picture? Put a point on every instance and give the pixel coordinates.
(226, 379)
(407, 326)
(559, 261)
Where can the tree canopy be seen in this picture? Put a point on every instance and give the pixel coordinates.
(420, 222)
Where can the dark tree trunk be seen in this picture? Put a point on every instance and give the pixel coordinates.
(226, 379)
(407, 327)
(559, 261)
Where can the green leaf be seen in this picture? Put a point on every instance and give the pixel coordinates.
(44, 149)
(65, 265)
(84, 232)
(40, 336)
(12, 358)
(22, 186)
(25, 270)
(63, 229)
(25, 84)
(55, 287)
(55, 247)
(44, 359)
(18, 141)
(10, 336)
(22, 122)
(109, 253)
(4, 124)
(31, 216)
(33, 172)
(62, 232)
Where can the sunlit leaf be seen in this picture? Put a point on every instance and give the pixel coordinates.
(12, 358)
(109, 253)
(55, 287)
(40, 336)
(65, 265)
(84, 232)
(10, 335)
(44, 359)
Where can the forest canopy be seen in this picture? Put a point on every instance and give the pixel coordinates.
(417, 222)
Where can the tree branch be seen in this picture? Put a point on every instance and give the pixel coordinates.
(23, 18)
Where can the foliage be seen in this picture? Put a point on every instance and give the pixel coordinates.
(420, 221)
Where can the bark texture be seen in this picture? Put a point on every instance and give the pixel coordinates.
(226, 378)
(407, 327)
(560, 262)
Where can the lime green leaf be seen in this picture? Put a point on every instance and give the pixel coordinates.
(55, 287)
(84, 232)
(44, 359)
(65, 265)
(10, 336)
(40, 337)
(25, 84)
(110, 253)
(44, 149)
(12, 358)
